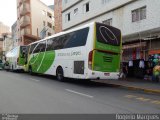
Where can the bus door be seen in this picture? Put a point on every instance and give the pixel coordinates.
(23, 55)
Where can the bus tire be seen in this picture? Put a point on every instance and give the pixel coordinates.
(30, 70)
(60, 74)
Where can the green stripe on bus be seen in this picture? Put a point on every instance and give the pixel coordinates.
(42, 62)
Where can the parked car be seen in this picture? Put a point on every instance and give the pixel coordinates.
(1, 65)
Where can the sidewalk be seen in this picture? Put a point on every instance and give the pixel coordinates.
(135, 84)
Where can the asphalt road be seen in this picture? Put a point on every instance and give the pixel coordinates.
(23, 93)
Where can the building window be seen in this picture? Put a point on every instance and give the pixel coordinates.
(49, 34)
(107, 22)
(49, 25)
(86, 7)
(139, 14)
(143, 13)
(76, 11)
(49, 15)
(105, 1)
(65, 1)
(68, 17)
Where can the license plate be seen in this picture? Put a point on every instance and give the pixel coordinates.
(107, 74)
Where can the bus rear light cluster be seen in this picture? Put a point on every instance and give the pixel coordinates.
(90, 59)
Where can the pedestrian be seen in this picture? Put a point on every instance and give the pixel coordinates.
(156, 72)
(121, 74)
(148, 72)
(125, 71)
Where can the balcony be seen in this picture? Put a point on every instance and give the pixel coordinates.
(25, 31)
(24, 9)
(25, 21)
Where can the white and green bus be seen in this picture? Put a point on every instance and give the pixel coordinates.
(89, 52)
(16, 58)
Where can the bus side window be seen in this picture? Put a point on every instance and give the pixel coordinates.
(51, 44)
(77, 38)
(32, 48)
(24, 52)
(43, 46)
(61, 40)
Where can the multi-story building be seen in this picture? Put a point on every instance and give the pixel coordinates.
(139, 21)
(14, 34)
(58, 15)
(7, 42)
(1, 47)
(34, 20)
(4, 28)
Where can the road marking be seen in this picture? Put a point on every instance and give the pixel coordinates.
(72, 91)
(143, 99)
(156, 102)
(130, 96)
(34, 80)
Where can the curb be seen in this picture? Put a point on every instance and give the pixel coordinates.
(135, 88)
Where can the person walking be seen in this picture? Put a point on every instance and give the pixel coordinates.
(125, 71)
(156, 72)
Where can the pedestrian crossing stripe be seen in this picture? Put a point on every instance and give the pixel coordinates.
(143, 99)
(157, 102)
(130, 96)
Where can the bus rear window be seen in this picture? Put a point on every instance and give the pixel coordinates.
(108, 34)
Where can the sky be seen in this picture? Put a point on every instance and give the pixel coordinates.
(8, 11)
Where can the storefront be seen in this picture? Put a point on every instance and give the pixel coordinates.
(153, 52)
(134, 54)
(142, 52)
(134, 51)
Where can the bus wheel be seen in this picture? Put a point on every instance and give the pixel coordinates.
(30, 70)
(59, 74)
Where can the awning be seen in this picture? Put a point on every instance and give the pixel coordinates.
(135, 45)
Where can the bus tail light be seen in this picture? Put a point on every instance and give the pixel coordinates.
(90, 59)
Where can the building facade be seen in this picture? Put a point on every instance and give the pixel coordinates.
(1, 47)
(35, 20)
(138, 20)
(58, 15)
(15, 34)
(4, 28)
(7, 42)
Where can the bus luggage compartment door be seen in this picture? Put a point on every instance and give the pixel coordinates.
(79, 67)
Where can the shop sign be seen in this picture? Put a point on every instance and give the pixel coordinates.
(152, 52)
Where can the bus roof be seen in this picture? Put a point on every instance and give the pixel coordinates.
(65, 32)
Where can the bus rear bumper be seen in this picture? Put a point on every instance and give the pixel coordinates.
(95, 75)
